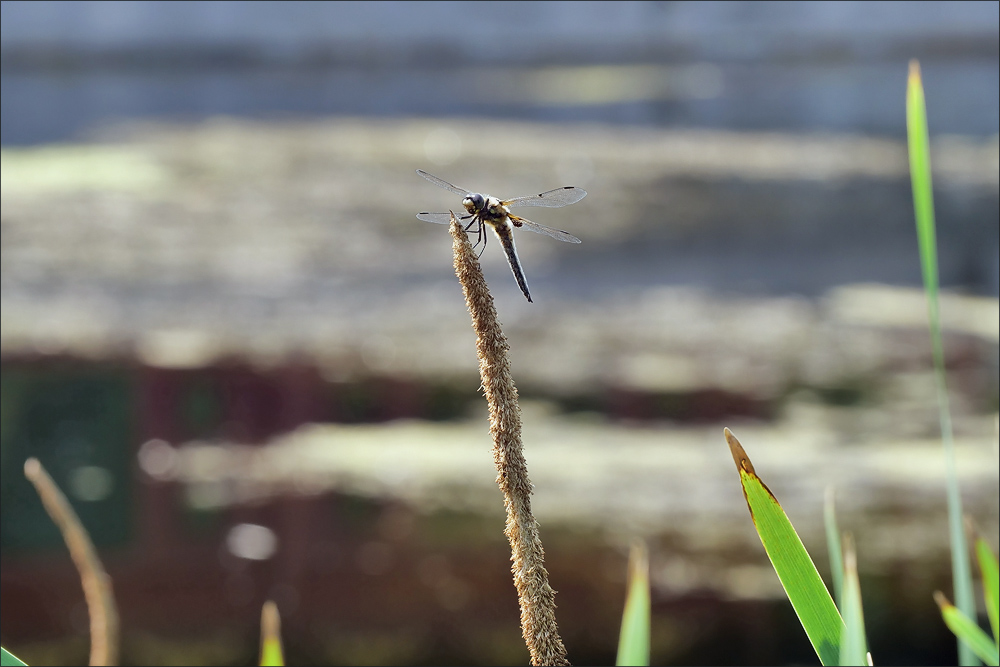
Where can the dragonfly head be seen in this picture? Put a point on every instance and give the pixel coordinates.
(473, 202)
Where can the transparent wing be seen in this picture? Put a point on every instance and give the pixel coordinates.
(551, 199)
(444, 184)
(542, 229)
(442, 218)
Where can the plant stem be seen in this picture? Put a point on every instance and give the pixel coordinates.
(535, 595)
(95, 580)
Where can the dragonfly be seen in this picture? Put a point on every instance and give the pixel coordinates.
(488, 210)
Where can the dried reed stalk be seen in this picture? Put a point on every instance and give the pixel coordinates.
(96, 582)
(536, 597)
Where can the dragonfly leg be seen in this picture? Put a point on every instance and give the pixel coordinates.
(483, 236)
(480, 235)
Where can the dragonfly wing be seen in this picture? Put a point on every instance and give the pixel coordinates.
(441, 218)
(551, 199)
(442, 184)
(542, 229)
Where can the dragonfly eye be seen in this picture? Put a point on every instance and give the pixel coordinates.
(476, 200)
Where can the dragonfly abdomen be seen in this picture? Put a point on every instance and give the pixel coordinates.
(503, 232)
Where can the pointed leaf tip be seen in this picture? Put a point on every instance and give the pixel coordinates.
(271, 652)
(802, 583)
(941, 600)
(633, 642)
(967, 631)
(739, 454)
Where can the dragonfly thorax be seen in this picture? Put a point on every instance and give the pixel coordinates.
(494, 212)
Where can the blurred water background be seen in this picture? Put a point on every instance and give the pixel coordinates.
(230, 341)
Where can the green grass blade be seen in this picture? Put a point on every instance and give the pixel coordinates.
(854, 648)
(923, 207)
(991, 584)
(271, 654)
(967, 630)
(8, 658)
(833, 547)
(633, 644)
(795, 569)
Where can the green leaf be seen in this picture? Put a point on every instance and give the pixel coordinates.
(967, 630)
(920, 179)
(633, 644)
(8, 658)
(270, 636)
(853, 649)
(923, 208)
(799, 577)
(833, 547)
(991, 584)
